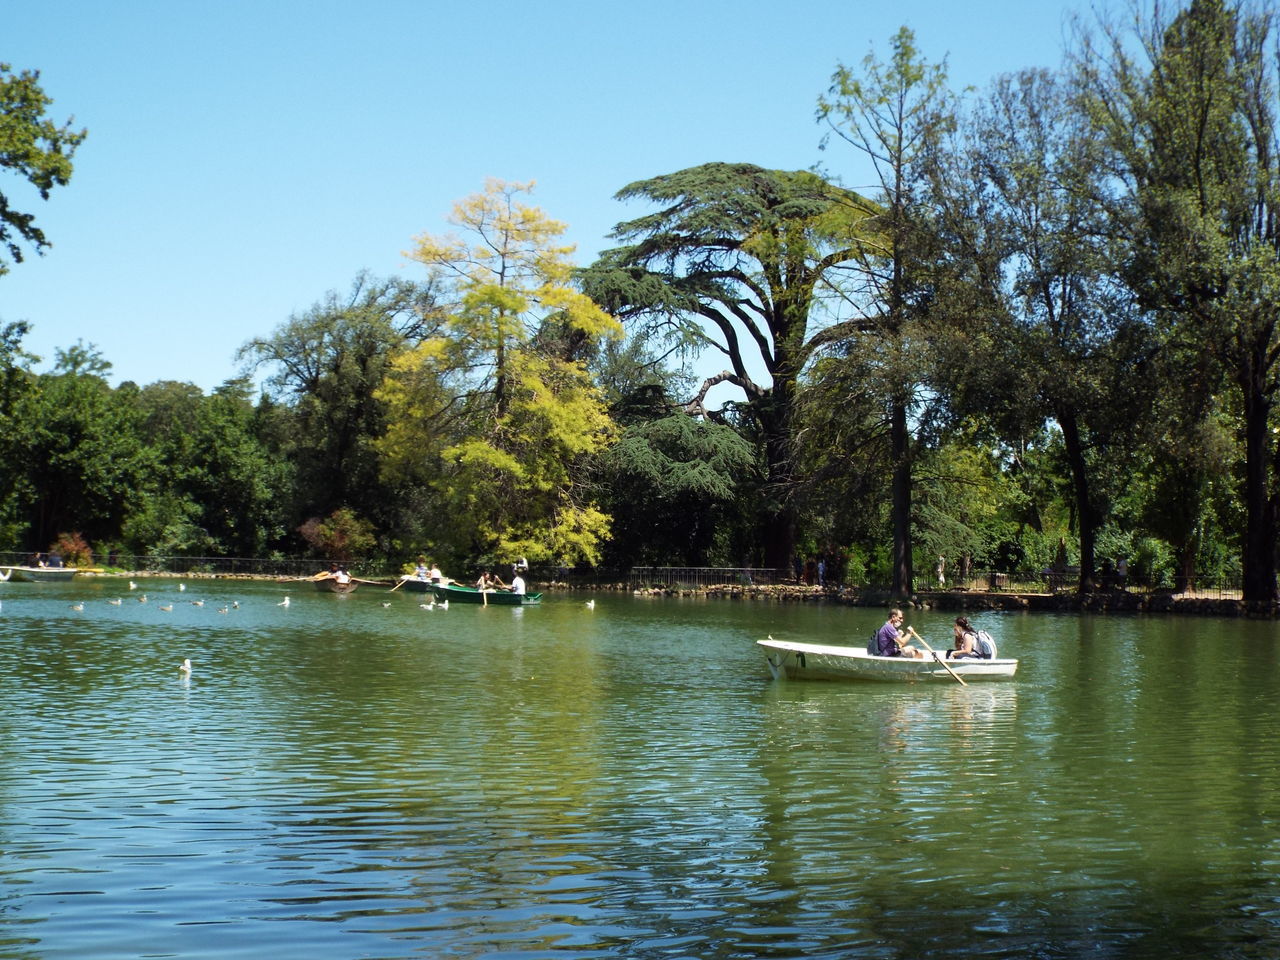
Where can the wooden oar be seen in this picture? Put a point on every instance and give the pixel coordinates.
(403, 581)
(912, 631)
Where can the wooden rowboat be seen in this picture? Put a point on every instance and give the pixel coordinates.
(414, 585)
(815, 661)
(334, 585)
(455, 592)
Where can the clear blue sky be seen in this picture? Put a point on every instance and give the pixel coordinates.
(247, 156)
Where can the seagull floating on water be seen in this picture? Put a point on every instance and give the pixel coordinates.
(283, 603)
(591, 604)
(186, 666)
(385, 604)
(132, 585)
(143, 598)
(428, 606)
(235, 604)
(181, 587)
(166, 607)
(115, 602)
(222, 609)
(197, 603)
(77, 606)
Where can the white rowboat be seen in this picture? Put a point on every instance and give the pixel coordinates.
(816, 661)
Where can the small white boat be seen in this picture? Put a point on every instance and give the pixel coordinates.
(815, 661)
(41, 574)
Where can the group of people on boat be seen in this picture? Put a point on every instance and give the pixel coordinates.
(488, 581)
(336, 572)
(892, 640)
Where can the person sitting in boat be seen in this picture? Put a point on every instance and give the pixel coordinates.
(517, 584)
(489, 581)
(342, 576)
(965, 640)
(434, 574)
(421, 572)
(891, 639)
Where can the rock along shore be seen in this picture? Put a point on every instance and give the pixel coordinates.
(1117, 601)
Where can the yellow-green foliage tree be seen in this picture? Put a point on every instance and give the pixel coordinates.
(498, 413)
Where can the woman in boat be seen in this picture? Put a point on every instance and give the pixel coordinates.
(891, 639)
(489, 581)
(965, 640)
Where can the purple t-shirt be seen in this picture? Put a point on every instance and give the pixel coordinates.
(887, 641)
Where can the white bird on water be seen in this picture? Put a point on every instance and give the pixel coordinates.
(283, 603)
(385, 604)
(77, 606)
(115, 602)
(591, 604)
(197, 603)
(143, 598)
(444, 604)
(132, 585)
(167, 607)
(428, 606)
(181, 587)
(185, 668)
(222, 609)
(235, 604)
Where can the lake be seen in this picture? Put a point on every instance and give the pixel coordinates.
(338, 778)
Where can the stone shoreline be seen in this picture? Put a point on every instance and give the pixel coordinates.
(1117, 601)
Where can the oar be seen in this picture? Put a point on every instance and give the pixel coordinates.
(403, 581)
(912, 631)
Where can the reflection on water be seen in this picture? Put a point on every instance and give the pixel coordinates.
(339, 779)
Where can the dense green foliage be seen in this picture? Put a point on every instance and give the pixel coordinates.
(1046, 339)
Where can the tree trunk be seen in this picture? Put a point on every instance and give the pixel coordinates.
(1260, 538)
(779, 524)
(1084, 507)
(900, 439)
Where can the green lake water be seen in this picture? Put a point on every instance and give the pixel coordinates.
(340, 779)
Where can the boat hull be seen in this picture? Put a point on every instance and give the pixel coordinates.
(412, 585)
(41, 574)
(331, 585)
(456, 593)
(814, 661)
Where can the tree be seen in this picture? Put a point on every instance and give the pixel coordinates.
(497, 412)
(896, 115)
(1192, 135)
(1068, 343)
(740, 260)
(219, 487)
(328, 364)
(84, 462)
(34, 148)
(673, 487)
